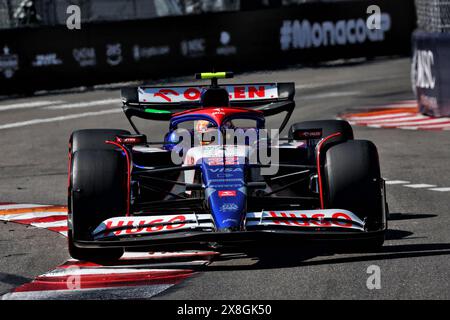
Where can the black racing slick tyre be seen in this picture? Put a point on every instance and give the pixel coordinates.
(98, 191)
(352, 181)
(328, 127)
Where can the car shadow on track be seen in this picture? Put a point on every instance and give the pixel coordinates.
(275, 259)
(11, 280)
(323, 254)
(410, 216)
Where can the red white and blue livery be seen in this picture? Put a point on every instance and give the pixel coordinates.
(217, 178)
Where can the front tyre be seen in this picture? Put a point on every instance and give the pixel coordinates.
(98, 191)
(353, 182)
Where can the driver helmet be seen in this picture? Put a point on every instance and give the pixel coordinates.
(205, 131)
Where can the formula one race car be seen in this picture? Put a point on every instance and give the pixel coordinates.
(218, 178)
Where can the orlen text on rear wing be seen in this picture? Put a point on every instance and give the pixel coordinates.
(159, 103)
(257, 93)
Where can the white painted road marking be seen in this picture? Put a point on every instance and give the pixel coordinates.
(85, 104)
(26, 105)
(379, 117)
(440, 189)
(21, 206)
(419, 185)
(32, 215)
(99, 270)
(426, 186)
(394, 120)
(396, 182)
(412, 122)
(60, 118)
(45, 225)
(126, 292)
(445, 126)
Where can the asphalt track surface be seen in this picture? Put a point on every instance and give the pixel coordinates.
(414, 261)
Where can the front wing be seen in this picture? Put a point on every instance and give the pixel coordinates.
(192, 228)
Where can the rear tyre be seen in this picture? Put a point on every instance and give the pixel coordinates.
(98, 191)
(352, 181)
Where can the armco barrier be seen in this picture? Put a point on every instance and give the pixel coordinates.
(431, 72)
(48, 58)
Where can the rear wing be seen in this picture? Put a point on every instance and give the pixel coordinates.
(258, 93)
(159, 103)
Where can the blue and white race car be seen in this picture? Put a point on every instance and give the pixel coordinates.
(218, 177)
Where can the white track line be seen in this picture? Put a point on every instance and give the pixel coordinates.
(425, 122)
(409, 123)
(405, 183)
(26, 105)
(396, 182)
(411, 117)
(431, 126)
(32, 215)
(45, 225)
(84, 104)
(21, 206)
(56, 119)
(140, 292)
(379, 117)
(419, 185)
(76, 271)
(445, 189)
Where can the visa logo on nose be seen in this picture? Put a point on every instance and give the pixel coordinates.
(222, 170)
